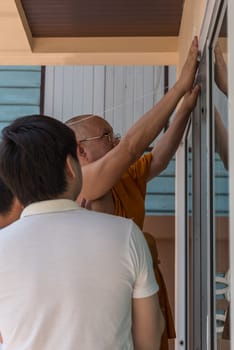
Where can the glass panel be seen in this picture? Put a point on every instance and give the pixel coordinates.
(197, 260)
(189, 265)
(220, 188)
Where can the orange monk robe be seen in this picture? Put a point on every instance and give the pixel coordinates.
(169, 332)
(129, 192)
(129, 201)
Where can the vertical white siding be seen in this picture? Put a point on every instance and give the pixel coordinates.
(109, 94)
(73, 90)
(121, 94)
(119, 98)
(99, 90)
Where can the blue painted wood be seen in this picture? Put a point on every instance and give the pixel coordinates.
(19, 92)
(162, 204)
(10, 112)
(161, 184)
(20, 68)
(26, 110)
(20, 79)
(20, 96)
(160, 198)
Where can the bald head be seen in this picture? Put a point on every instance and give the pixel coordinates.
(87, 125)
(94, 136)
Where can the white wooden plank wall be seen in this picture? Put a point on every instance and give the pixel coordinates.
(73, 90)
(121, 94)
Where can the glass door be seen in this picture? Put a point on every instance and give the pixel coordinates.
(220, 178)
(208, 296)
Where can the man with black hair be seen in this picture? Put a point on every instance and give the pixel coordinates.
(70, 278)
(10, 207)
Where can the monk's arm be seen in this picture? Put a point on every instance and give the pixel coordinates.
(101, 175)
(166, 147)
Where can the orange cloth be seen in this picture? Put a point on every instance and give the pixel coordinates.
(129, 192)
(169, 332)
(129, 201)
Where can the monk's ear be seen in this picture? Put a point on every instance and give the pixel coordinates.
(81, 151)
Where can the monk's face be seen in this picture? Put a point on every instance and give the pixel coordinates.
(99, 139)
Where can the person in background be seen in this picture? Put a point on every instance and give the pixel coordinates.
(10, 207)
(64, 269)
(221, 77)
(10, 210)
(221, 139)
(221, 134)
(123, 173)
(102, 154)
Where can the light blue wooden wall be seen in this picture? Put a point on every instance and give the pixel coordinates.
(19, 92)
(221, 188)
(160, 198)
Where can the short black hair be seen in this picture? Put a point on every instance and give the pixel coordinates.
(6, 198)
(33, 154)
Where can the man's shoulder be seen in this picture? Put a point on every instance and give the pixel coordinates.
(9, 235)
(109, 219)
(113, 223)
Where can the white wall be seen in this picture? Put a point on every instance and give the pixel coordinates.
(121, 94)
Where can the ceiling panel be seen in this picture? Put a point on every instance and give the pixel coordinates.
(90, 18)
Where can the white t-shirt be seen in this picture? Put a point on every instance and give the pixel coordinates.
(68, 276)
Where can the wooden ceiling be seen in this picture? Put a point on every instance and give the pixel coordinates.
(154, 32)
(103, 18)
